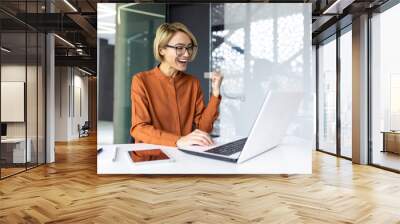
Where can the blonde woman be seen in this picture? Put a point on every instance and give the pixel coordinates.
(167, 103)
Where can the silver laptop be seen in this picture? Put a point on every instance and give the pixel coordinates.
(277, 112)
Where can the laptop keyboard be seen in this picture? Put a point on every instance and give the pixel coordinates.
(230, 148)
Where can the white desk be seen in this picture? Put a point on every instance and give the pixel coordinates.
(293, 158)
(19, 149)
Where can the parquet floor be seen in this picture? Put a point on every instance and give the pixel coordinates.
(9, 171)
(70, 191)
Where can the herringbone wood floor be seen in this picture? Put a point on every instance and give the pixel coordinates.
(70, 191)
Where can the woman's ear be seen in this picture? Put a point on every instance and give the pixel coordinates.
(161, 51)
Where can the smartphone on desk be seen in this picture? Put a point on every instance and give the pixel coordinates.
(149, 156)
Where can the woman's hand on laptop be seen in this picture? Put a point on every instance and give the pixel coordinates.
(197, 137)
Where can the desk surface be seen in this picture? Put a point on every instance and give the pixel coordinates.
(13, 140)
(293, 158)
(391, 132)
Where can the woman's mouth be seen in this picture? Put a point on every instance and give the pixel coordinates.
(182, 62)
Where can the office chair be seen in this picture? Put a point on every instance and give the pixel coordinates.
(84, 130)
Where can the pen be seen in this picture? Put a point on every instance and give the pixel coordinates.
(115, 154)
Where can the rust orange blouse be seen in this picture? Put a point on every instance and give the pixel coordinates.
(166, 108)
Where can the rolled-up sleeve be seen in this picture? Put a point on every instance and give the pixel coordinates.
(205, 116)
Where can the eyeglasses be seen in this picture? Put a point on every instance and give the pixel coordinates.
(180, 50)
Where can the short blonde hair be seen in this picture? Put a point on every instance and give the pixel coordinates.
(164, 34)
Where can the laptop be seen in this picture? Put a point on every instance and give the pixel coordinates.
(267, 132)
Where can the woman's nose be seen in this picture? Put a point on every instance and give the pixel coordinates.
(186, 53)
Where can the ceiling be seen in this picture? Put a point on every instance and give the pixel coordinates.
(76, 25)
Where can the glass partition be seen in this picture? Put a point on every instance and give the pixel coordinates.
(128, 31)
(13, 108)
(261, 48)
(327, 96)
(22, 89)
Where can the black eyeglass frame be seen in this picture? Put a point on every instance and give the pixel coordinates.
(179, 47)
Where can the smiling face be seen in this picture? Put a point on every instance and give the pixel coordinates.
(177, 58)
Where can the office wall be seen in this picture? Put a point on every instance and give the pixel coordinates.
(71, 102)
(92, 107)
(15, 72)
(80, 110)
(106, 71)
(33, 126)
(12, 98)
(190, 14)
(62, 80)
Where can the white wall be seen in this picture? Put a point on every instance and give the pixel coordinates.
(12, 73)
(71, 87)
(12, 100)
(33, 126)
(80, 89)
(61, 103)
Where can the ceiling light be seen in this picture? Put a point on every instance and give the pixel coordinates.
(337, 7)
(84, 71)
(64, 40)
(70, 5)
(79, 51)
(5, 50)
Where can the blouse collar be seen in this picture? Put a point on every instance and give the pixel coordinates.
(163, 76)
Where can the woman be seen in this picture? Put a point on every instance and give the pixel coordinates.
(167, 103)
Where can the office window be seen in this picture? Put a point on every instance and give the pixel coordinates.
(346, 93)
(385, 87)
(327, 95)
